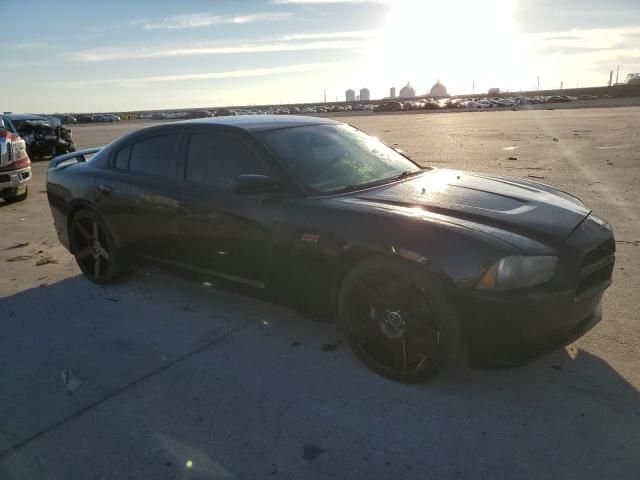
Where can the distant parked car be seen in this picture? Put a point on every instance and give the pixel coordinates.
(389, 107)
(225, 112)
(199, 114)
(44, 137)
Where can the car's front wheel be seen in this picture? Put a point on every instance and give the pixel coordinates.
(94, 248)
(398, 319)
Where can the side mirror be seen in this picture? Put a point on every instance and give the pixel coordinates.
(254, 184)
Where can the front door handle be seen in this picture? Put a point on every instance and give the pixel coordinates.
(105, 189)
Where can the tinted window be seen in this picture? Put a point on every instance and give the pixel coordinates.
(157, 155)
(333, 157)
(122, 158)
(215, 159)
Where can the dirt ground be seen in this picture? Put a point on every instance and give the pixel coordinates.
(160, 377)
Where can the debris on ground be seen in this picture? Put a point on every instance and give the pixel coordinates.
(110, 299)
(512, 158)
(70, 380)
(16, 245)
(22, 258)
(635, 243)
(295, 344)
(539, 177)
(312, 451)
(556, 367)
(329, 347)
(19, 258)
(555, 139)
(46, 261)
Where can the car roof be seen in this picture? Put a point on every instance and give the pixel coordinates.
(256, 123)
(22, 116)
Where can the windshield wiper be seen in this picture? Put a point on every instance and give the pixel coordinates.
(382, 181)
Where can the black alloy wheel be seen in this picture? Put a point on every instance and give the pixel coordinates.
(398, 319)
(94, 248)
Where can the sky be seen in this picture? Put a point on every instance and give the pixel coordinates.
(102, 56)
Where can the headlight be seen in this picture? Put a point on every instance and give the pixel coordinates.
(518, 272)
(18, 150)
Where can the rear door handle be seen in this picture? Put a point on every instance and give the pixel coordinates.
(105, 189)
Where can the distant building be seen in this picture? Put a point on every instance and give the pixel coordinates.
(392, 92)
(493, 91)
(350, 95)
(438, 90)
(407, 91)
(365, 96)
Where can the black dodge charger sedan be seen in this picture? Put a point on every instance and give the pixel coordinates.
(417, 265)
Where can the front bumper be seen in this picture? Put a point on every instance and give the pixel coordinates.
(506, 328)
(14, 182)
(509, 328)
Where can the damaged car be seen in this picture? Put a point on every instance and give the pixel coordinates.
(44, 137)
(15, 166)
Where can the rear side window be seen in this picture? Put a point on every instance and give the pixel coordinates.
(216, 159)
(121, 159)
(157, 155)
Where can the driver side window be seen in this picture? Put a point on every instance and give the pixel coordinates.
(217, 158)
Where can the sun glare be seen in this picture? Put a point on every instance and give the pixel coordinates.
(450, 40)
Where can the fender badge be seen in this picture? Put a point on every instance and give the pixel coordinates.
(310, 237)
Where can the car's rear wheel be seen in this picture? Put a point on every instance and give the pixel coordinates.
(398, 319)
(94, 248)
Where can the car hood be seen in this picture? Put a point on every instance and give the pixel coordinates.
(508, 203)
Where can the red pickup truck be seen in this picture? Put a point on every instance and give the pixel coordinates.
(15, 167)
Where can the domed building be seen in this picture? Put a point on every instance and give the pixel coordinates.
(438, 90)
(407, 91)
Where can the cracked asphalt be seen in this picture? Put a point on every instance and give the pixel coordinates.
(165, 377)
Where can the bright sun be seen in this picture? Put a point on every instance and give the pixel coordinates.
(425, 40)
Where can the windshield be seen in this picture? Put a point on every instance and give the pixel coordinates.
(329, 158)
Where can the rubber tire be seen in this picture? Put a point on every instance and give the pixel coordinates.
(434, 288)
(18, 198)
(116, 266)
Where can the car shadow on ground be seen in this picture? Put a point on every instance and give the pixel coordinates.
(127, 367)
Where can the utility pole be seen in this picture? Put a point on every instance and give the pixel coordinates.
(561, 84)
(610, 77)
(473, 87)
(325, 95)
(617, 73)
(538, 85)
